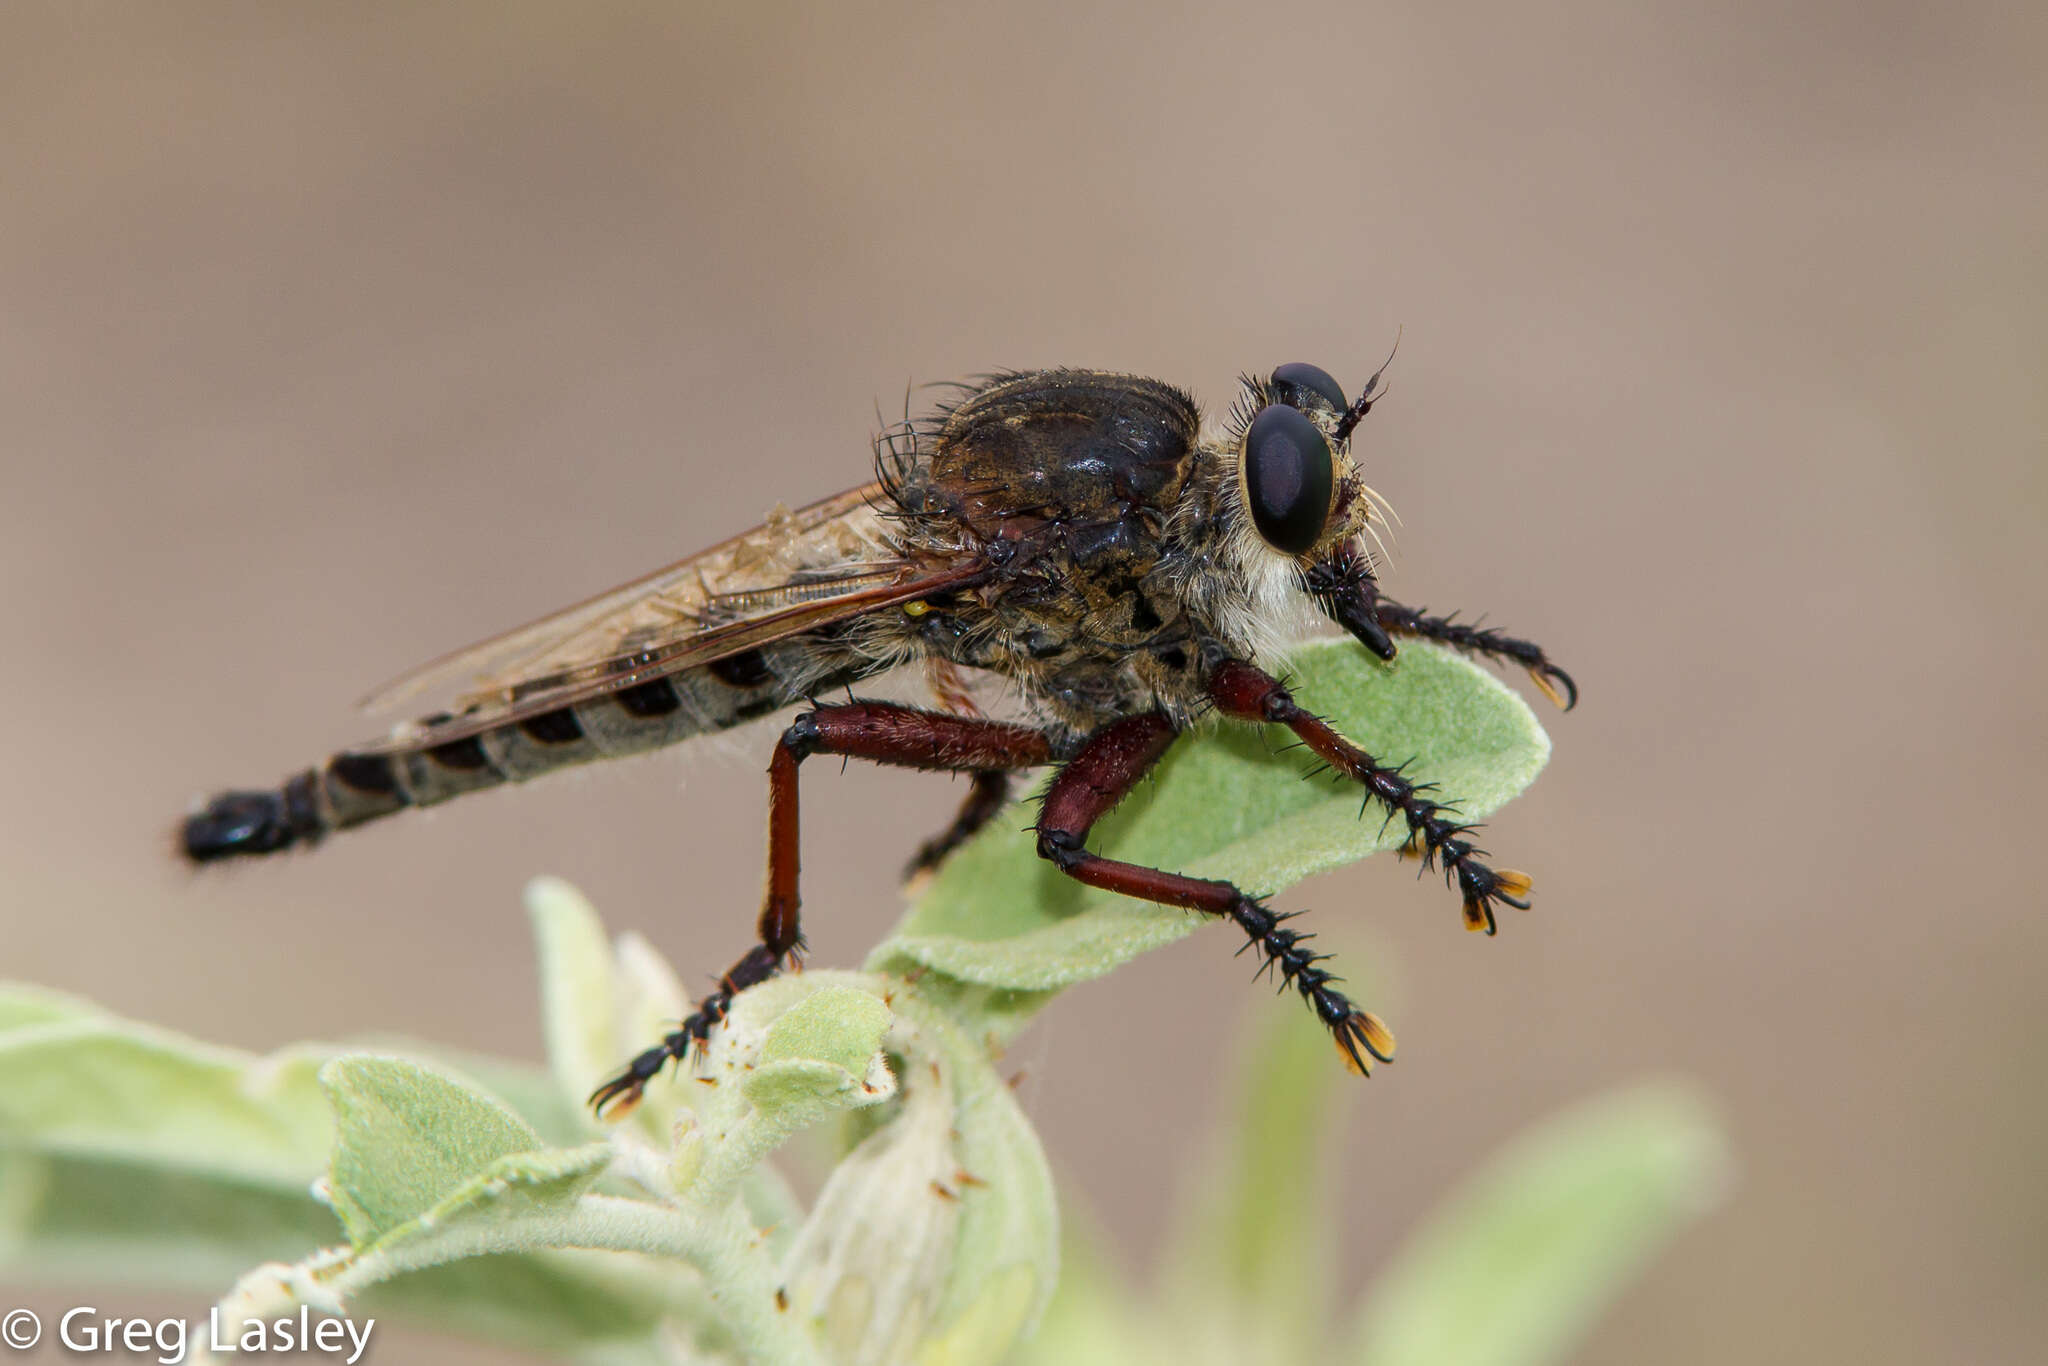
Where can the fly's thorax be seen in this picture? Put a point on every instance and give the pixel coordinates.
(1065, 481)
(1076, 448)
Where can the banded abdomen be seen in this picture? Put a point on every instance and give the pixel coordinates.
(357, 786)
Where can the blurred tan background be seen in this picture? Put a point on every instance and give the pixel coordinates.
(333, 337)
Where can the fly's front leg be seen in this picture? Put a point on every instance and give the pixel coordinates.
(1251, 694)
(1346, 589)
(1478, 640)
(885, 733)
(1099, 777)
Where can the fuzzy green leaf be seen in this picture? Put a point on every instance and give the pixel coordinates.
(130, 1152)
(601, 1005)
(769, 1080)
(594, 1307)
(513, 1186)
(1007, 1258)
(75, 1221)
(836, 1025)
(1226, 804)
(939, 1228)
(576, 987)
(1514, 1267)
(22, 1004)
(407, 1138)
(81, 1220)
(93, 1086)
(528, 1091)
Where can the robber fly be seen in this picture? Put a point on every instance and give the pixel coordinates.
(1072, 531)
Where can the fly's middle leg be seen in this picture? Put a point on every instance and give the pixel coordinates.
(1099, 777)
(882, 732)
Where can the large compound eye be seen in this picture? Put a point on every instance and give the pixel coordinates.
(1294, 381)
(1287, 478)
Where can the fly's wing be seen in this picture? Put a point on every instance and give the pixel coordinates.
(797, 572)
(653, 606)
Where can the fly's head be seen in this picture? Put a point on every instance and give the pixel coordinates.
(1301, 514)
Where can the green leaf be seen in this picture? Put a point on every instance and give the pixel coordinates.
(1226, 804)
(132, 1154)
(97, 1087)
(580, 1306)
(68, 1220)
(838, 1026)
(22, 1003)
(407, 1138)
(938, 1230)
(600, 1006)
(1006, 1258)
(1006, 1263)
(73, 1221)
(792, 1051)
(513, 1186)
(578, 1010)
(526, 1090)
(1512, 1270)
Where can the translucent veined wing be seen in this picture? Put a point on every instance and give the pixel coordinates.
(654, 605)
(796, 572)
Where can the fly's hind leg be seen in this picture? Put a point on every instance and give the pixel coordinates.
(989, 793)
(1251, 694)
(882, 732)
(1099, 777)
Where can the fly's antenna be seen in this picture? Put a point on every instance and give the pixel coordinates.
(1371, 394)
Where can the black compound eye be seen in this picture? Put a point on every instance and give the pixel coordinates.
(1287, 478)
(1293, 381)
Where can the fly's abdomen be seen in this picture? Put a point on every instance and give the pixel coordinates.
(353, 787)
